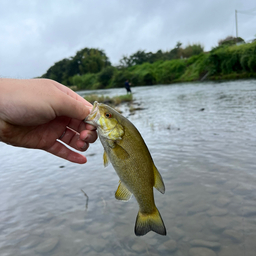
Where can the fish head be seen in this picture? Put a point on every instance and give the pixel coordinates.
(105, 119)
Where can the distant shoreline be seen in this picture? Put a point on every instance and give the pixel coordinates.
(223, 63)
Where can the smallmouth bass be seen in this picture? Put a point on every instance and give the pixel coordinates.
(126, 150)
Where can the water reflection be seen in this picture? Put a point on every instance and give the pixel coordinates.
(206, 158)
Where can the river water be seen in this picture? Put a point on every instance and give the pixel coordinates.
(202, 137)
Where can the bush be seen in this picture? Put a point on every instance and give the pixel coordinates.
(196, 68)
(231, 64)
(191, 50)
(143, 74)
(170, 70)
(120, 77)
(244, 62)
(252, 63)
(105, 76)
(194, 58)
(230, 40)
(87, 81)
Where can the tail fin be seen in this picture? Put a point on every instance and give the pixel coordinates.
(147, 222)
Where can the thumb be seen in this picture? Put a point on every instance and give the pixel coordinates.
(70, 107)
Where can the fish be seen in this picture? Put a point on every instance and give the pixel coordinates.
(125, 148)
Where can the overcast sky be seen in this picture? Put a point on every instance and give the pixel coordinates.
(34, 34)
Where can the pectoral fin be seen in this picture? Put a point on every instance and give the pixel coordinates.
(120, 152)
(122, 192)
(159, 184)
(105, 159)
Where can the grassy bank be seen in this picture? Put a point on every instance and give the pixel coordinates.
(112, 101)
(225, 62)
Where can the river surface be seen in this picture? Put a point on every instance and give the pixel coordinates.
(202, 137)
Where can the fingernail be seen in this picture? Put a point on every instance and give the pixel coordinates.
(85, 138)
(85, 146)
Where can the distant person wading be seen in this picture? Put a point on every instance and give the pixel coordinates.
(127, 86)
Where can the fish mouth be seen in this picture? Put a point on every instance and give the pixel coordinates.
(92, 117)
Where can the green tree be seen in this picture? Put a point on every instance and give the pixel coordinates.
(159, 55)
(140, 57)
(175, 53)
(178, 45)
(105, 76)
(125, 62)
(136, 58)
(191, 50)
(85, 61)
(230, 40)
(59, 71)
(91, 60)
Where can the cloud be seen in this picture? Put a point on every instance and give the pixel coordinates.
(34, 34)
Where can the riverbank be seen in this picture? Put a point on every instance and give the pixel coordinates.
(221, 63)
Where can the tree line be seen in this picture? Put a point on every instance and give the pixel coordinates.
(91, 68)
(85, 61)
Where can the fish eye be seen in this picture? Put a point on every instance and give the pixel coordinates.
(108, 115)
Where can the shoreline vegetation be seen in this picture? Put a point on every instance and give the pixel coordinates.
(112, 101)
(116, 101)
(90, 69)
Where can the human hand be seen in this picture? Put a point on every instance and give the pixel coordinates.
(39, 113)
